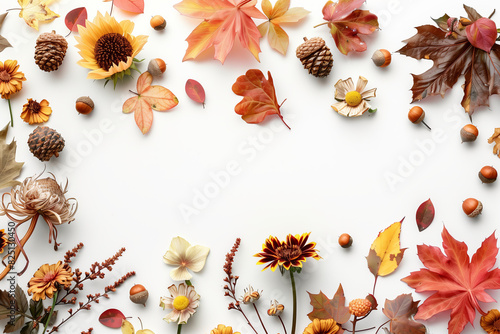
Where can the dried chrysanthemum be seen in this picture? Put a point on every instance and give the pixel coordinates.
(48, 279)
(33, 198)
(3, 240)
(491, 322)
(222, 329)
(322, 326)
(11, 82)
(352, 99)
(34, 112)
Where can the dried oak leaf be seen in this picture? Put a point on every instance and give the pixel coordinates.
(223, 22)
(280, 13)
(400, 312)
(495, 138)
(4, 43)
(148, 98)
(346, 22)
(9, 167)
(453, 55)
(325, 308)
(458, 283)
(259, 97)
(35, 11)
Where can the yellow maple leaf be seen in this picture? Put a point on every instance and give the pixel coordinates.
(35, 11)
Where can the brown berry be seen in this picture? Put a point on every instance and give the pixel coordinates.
(472, 207)
(158, 22)
(488, 174)
(156, 67)
(382, 58)
(139, 294)
(360, 307)
(469, 133)
(345, 240)
(84, 105)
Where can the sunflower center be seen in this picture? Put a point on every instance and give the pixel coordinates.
(496, 325)
(4, 76)
(289, 252)
(112, 49)
(353, 98)
(34, 106)
(181, 303)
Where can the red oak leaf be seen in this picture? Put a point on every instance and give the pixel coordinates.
(458, 283)
(223, 22)
(346, 22)
(259, 97)
(148, 98)
(453, 55)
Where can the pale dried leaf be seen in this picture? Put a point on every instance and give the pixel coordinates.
(9, 167)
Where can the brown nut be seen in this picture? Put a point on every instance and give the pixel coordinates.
(156, 67)
(416, 115)
(469, 133)
(488, 174)
(345, 240)
(84, 105)
(139, 294)
(382, 58)
(472, 207)
(158, 22)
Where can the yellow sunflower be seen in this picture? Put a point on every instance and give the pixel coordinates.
(108, 48)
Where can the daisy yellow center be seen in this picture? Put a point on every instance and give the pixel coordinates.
(353, 98)
(181, 303)
(111, 49)
(4, 76)
(288, 253)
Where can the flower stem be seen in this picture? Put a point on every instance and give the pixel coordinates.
(354, 324)
(294, 294)
(257, 311)
(54, 299)
(188, 283)
(282, 323)
(179, 327)
(11, 118)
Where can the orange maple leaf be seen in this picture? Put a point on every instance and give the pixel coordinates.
(223, 22)
(148, 98)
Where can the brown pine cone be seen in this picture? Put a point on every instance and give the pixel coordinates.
(50, 51)
(45, 142)
(315, 56)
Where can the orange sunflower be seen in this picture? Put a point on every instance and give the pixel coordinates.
(34, 112)
(491, 322)
(108, 48)
(287, 254)
(47, 280)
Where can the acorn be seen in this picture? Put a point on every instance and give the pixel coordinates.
(156, 67)
(416, 115)
(488, 174)
(158, 22)
(469, 133)
(472, 207)
(345, 240)
(381, 58)
(139, 294)
(84, 105)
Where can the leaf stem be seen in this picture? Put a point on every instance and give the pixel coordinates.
(382, 325)
(374, 285)
(112, 5)
(8, 10)
(317, 25)
(294, 294)
(279, 114)
(133, 92)
(11, 118)
(54, 299)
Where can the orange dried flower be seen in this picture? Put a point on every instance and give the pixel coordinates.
(3, 240)
(48, 279)
(11, 81)
(491, 322)
(322, 326)
(34, 112)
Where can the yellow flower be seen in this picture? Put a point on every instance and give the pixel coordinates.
(107, 47)
(34, 112)
(491, 322)
(221, 329)
(322, 326)
(11, 81)
(48, 279)
(352, 99)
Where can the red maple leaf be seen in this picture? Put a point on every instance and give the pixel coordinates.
(459, 283)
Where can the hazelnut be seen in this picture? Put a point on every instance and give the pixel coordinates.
(469, 133)
(472, 207)
(157, 67)
(139, 294)
(416, 115)
(158, 22)
(345, 240)
(84, 105)
(488, 174)
(382, 58)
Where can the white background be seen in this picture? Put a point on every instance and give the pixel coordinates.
(328, 175)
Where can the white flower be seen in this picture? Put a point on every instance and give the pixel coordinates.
(185, 256)
(352, 99)
(183, 302)
(250, 295)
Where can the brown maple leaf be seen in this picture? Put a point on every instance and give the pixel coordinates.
(9, 167)
(400, 312)
(454, 55)
(325, 308)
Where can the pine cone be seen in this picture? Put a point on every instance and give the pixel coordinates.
(50, 51)
(45, 142)
(315, 56)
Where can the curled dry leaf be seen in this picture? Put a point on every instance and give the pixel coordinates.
(9, 167)
(76, 17)
(496, 139)
(148, 98)
(35, 11)
(259, 97)
(386, 253)
(280, 13)
(425, 215)
(195, 91)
